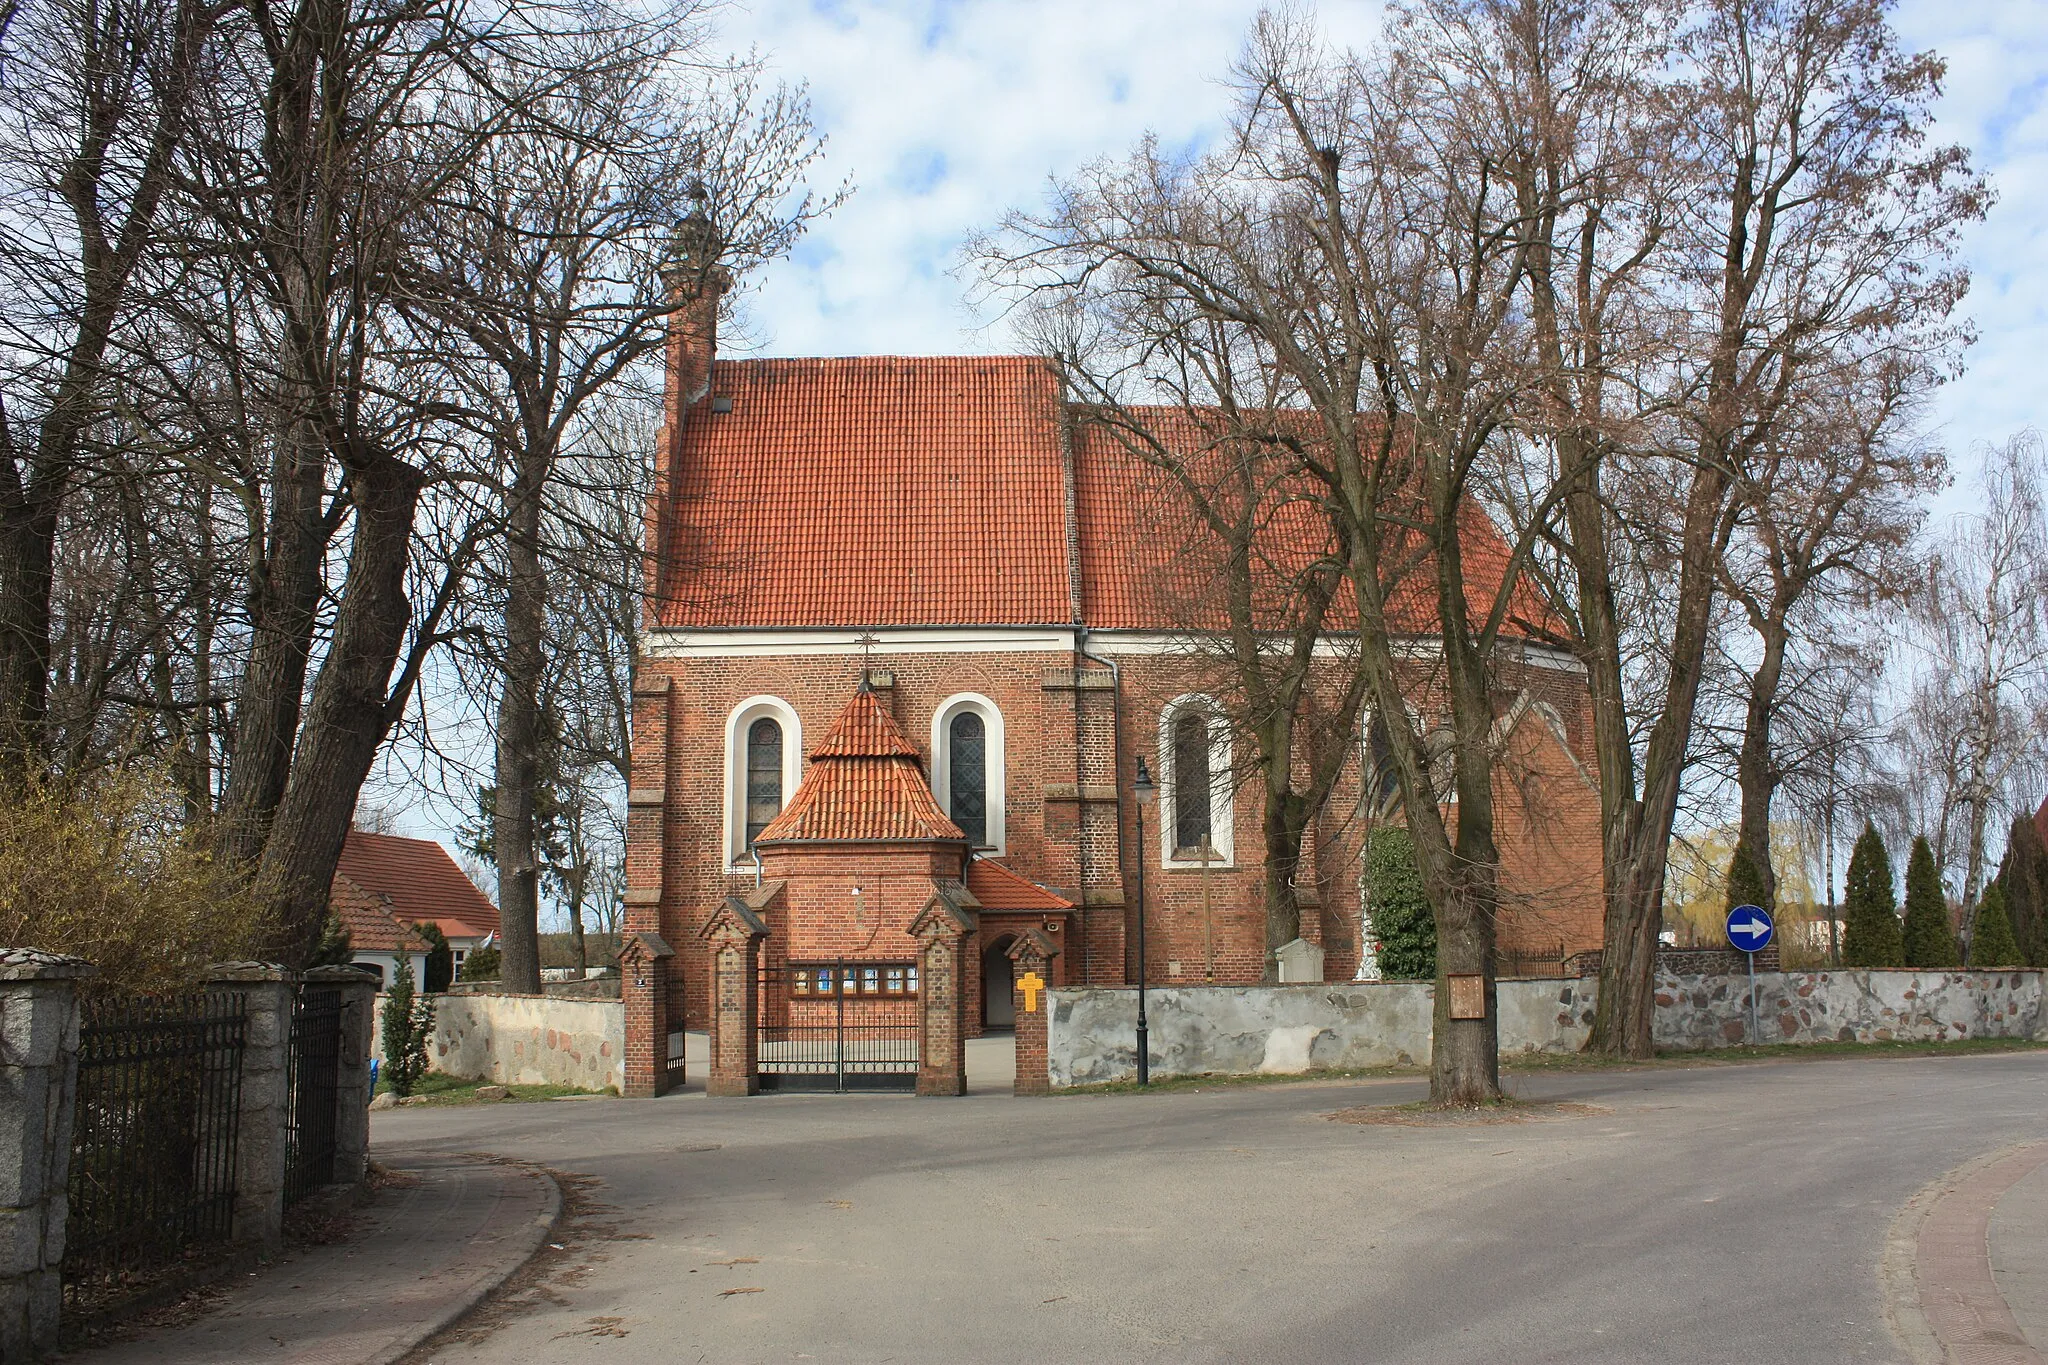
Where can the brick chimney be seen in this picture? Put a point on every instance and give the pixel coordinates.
(696, 282)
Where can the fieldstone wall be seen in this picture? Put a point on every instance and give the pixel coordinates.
(1850, 1006)
(526, 1040)
(1241, 1030)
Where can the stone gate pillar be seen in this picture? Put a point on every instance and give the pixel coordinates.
(262, 1142)
(643, 992)
(735, 934)
(1032, 953)
(943, 929)
(38, 1088)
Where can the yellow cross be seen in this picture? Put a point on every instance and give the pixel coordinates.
(1031, 984)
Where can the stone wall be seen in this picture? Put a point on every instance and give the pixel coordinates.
(526, 1040)
(1850, 1006)
(1241, 1030)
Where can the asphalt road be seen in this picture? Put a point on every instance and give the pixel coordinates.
(1732, 1213)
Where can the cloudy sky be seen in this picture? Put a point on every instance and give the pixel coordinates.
(946, 112)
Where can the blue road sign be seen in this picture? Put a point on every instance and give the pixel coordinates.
(1750, 927)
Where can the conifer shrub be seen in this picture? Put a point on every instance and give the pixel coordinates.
(334, 948)
(1871, 936)
(1401, 918)
(1929, 942)
(2024, 875)
(1745, 880)
(483, 964)
(407, 1030)
(1992, 943)
(440, 958)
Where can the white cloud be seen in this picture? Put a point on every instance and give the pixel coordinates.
(948, 114)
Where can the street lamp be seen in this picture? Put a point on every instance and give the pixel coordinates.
(1143, 789)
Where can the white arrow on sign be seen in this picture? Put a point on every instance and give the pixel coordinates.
(1749, 928)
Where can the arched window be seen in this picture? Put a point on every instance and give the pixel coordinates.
(763, 764)
(1382, 783)
(1193, 786)
(967, 767)
(1194, 782)
(764, 776)
(967, 775)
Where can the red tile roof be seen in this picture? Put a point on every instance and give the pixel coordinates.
(893, 491)
(419, 879)
(878, 491)
(372, 925)
(864, 783)
(998, 888)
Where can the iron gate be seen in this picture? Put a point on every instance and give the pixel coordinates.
(839, 1026)
(313, 1067)
(153, 1133)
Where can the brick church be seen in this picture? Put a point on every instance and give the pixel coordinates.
(912, 629)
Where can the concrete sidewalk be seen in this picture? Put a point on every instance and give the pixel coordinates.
(426, 1251)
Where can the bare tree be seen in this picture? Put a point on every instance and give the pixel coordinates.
(1339, 287)
(546, 279)
(95, 105)
(1981, 697)
(1792, 221)
(1825, 513)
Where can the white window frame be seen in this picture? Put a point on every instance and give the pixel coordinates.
(736, 725)
(997, 769)
(1222, 805)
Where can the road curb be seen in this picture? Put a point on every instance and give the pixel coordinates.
(539, 1232)
(1899, 1271)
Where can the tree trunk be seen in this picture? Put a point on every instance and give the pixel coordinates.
(519, 732)
(1755, 772)
(1636, 833)
(1286, 824)
(350, 711)
(28, 545)
(284, 596)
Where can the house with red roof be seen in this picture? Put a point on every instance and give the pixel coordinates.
(919, 606)
(385, 884)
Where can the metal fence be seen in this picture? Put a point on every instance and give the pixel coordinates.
(1536, 963)
(153, 1137)
(839, 1026)
(312, 1069)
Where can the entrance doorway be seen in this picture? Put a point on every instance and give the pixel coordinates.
(998, 1005)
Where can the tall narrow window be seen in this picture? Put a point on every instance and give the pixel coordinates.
(967, 775)
(1193, 785)
(764, 776)
(1381, 780)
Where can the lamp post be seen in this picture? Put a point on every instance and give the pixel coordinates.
(1143, 789)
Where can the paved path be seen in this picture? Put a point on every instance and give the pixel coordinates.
(426, 1252)
(1715, 1214)
(2018, 1236)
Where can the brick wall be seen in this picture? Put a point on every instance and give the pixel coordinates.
(1061, 822)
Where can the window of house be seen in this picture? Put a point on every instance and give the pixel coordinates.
(1382, 783)
(881, 980)
(763, 748)
(1194, 780)
(967, 767)
(764, 776)
(967, 775)
(1194, 793)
